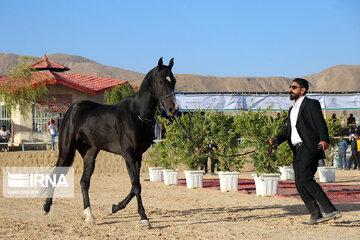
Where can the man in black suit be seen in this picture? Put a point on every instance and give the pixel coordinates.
(307, 136)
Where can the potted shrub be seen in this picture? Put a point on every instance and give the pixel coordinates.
(169, 163)
(155, 172)
(259, 126)
(222, 132)
(188, 151)
(327, 172)
(284, 159)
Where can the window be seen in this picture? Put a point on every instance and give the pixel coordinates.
(4, 118)
(55, 108)
(41, 119)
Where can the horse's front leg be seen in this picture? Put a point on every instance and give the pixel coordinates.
(133, 166)
(144, 221)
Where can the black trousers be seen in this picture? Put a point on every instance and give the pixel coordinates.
(305, 166)
(214, 161)
(354, 158)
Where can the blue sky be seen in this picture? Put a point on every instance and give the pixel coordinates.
(223, 38)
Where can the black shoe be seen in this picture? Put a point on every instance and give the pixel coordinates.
(329, 216)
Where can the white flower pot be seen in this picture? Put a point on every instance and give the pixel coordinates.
(267, 184)
(326, 174)
(287, 173)
(194, 179)
(229, 181)
(155, 174)
(170, 176)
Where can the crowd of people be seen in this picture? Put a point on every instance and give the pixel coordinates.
(354, 161)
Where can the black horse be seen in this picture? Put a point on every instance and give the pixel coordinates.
(124, 128)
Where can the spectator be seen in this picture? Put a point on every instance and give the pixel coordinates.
(210, 148)
(53, 133)
(358, 149)
(214, 161)
(354, 152)
(343, 145)
(333, 117)
(351, 123)
(4, 136)
(351, 120)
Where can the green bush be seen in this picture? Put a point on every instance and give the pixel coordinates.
(160, 155)
(190, 152)
(259, 126)
(284, 155)
(203, 128)
(222, 132)
(335, 129)
(119, 92)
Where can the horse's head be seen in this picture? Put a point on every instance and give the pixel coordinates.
(164, 87)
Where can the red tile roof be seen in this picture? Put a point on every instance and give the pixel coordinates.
(85, 83)
(46, 64)
(81, 82)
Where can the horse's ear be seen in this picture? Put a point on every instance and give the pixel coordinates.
(171, 63)
(160, 63)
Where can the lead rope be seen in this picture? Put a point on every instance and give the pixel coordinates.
(213, 153)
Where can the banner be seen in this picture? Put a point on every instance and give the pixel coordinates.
(234, 102)
(205, 102)
(342, 102)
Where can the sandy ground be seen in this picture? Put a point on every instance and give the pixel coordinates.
(175, 213)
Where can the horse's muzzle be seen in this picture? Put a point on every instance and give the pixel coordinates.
(172, 111)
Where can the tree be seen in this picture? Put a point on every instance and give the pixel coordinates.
(119, 92)
(23, 86)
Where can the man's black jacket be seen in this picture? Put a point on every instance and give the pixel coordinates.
(310, 125)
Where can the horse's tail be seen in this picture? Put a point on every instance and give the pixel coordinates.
(67, 139)
(67, 148)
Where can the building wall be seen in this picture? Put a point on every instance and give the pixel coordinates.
(22, 127)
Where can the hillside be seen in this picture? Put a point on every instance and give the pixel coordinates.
(337, 78)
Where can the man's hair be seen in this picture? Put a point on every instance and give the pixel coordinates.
(3, 126)
(52, 121)
(303, 83)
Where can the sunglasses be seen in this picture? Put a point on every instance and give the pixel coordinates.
(293, 87)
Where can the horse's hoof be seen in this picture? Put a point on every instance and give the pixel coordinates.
(46, 209)
(89, 216)
(145, 223)
(109, 211)
(44, 212)
(90, 221)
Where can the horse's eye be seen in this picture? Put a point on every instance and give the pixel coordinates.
(168, 79)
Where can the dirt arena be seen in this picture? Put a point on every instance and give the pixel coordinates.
(175, 212)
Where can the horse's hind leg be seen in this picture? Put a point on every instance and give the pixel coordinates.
(89, 155)
(66, 157)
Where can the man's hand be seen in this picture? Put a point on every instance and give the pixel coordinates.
(324, 145)
(273, 141)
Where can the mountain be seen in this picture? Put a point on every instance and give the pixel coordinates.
(338, 78)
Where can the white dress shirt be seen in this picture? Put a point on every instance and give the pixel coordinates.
(295, 137)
